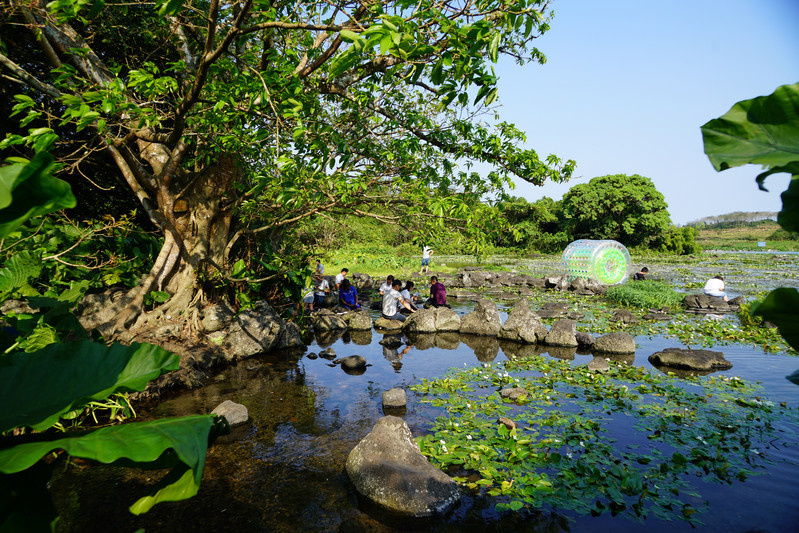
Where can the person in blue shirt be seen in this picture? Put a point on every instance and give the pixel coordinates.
(348, 295)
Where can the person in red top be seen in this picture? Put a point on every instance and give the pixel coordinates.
(438, 294)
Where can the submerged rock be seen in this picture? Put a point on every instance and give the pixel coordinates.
(388, 468)
(690, 359)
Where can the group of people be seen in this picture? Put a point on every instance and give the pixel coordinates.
(397, 300)
(713, 287)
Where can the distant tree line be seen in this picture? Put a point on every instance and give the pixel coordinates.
(734, 220)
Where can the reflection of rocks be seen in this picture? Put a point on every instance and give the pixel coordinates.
(485, 348)
(627, 358)
(326, 338)
(562, 333)
(616, 342)
(484, 320)
(422, 341)
(523, 325)
(448, 340)
(566, 353)
(518, 350)
(388, 468)
(624, 316)
(361, 338)
(391, 341)
(598, 364)
(690, 359)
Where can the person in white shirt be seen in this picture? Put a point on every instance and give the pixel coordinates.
(391, 302)
(321, 288)
(386, 286)
(426, 253)
(715, 287)
(340, 277)
(410, 298)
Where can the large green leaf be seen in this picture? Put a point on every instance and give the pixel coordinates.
(18, 270)
(29, 190)
(781, 307)
(762, 131)
(36, 388)
(141, 444)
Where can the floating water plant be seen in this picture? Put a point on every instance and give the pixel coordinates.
(563, 455)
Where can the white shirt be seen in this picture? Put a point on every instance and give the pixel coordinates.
(390, 301)
(426, 252)
(321, 286)
(339, 278)
(385, 287)
(714, 285)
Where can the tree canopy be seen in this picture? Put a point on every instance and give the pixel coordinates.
(231, 122)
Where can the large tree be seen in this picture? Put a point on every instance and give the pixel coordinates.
(625, 208)
(229, 122)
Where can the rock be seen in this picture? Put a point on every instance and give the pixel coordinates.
(216, 317)
(462, 295)
(557, 283)
(553, 310)
(523, 325)
(388, 325)
(395, 398)
(387, 468)
(595, 287)
(255, 330)
(290, 337)
(391, 341)
(562, 333)
(654, 315)
(100, 311)
(328, 353)
(235, 413)
(327, 320)
(624, 316)
(507, 422)
(447, 320)
(690, 359)
(422, 321)
(358, 320)
(513, 393)
(598, 364)
(577, 284)
(616, 342)
(584, 339)
(351, 362)
(362, 282)
(484, 320)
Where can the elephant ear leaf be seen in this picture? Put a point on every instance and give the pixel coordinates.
(781, 307)
(28, 190)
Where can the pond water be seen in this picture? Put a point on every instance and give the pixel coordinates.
(284, 471)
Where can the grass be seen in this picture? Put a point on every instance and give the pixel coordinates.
(645, 294)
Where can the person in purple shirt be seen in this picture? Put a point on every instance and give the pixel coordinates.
(438, 294)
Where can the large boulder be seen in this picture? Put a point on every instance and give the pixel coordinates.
(385, 324)
(616, 342)
(255, 330)
(682, 358)
(562, 333)
(216, 317)
(290, 337)
(523, 325)
(358, 320)
(484, 320)
(388, 468)
(553, 310)
(447, 320)
(422, 321)
(362, 282)
(327, 320)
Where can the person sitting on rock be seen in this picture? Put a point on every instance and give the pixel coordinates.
(348, 295)
(392, 300)
(386, 286)
(321, 288)
(642, 274)
(410, 298)
(715, 287)
(438, 293)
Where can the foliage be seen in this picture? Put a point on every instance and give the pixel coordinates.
(628, 209)
(679, 241)
(765, 131)
(645, 294)
(562, 454)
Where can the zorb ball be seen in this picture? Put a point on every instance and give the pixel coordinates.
(605, 261)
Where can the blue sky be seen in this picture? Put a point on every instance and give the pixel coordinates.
(628, 84)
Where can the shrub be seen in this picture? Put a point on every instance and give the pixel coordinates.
(645, 294)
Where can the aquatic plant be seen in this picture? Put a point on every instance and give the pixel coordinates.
(645, 294)
(563, 455)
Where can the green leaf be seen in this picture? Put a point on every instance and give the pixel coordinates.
(788, 218)
(348, 35)
(762, 131)
(781, 307)
(36, 388)
(18, 270)
(140, 443)
(29, 190)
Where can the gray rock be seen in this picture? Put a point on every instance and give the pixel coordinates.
(584, 339)
(654, 315)
(358, 321)
(387, 468)
(351, 362)
(328, 353)
(394, 398)
(598, 364)
(562, 333)
(327, 320)
(624, 316)
(255, 330)
(484, 320)
(447, 320)
(462, 295)
(558, 283)
(507, 422)
(523, 325)
(513, 393)
(690, 359)
(553, 310)
(235, 413)
(616, 342)
(362, 282)
(388, 325)
(422, 321)
(290, 337)
(216, 317)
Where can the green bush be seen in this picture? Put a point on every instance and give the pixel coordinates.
(645, 294)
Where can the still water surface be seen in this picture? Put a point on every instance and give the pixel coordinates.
(284, 472)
